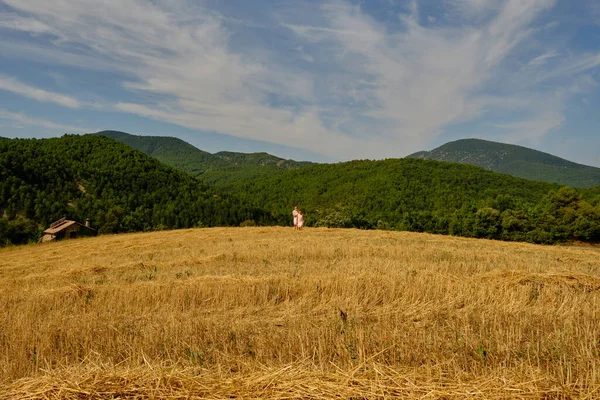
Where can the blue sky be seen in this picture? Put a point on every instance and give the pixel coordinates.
(318, 80)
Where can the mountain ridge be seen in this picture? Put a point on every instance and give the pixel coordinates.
(514, 160)
(220, 167)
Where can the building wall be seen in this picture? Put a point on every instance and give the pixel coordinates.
(71, 232)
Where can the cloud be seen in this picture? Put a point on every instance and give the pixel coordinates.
(420, 80)
(542, 59)
(532, 130)
(331, 79)
(12, 85)
(570, 66)
(22, 119)
(18, 23)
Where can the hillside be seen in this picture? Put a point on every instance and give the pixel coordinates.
(259, 160)
(119, 188)
(428, 196)
(169, 150)
(123, 190)
(515, 160)
(270, 313)
(221, 169)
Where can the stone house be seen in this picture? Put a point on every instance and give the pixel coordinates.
(67, 229)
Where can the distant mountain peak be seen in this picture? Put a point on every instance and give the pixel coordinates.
(214, 168)
(514, 160)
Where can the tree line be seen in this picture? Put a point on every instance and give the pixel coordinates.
(429, 196)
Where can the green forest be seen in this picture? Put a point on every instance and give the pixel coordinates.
(121, 189)
(429, 196)
(117, 187)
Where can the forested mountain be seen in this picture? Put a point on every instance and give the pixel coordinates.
(259, 159)
(119, 188)
(428, 196)
(515, 160)
(221, 169)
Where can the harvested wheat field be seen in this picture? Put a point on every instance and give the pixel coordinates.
(274, 313)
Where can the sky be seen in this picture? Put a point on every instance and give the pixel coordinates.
(311, 80)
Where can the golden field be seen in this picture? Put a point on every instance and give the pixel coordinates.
(275, 313)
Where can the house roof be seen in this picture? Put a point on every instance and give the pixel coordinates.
(62, 225)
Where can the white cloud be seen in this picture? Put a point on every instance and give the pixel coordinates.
(570, 66)
(19, 23)
(12, 85)
(362, 90)
(531, 130)
(421, 80)
(542, 59)
(22, 119)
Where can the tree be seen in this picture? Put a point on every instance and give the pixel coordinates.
(487, 223)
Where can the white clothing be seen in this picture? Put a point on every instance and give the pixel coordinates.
(295, 214)
(300, 220)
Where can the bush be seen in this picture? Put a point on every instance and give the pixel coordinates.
(335, 220)
(18, 231)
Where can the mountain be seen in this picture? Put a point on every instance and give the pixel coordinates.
(260, 159)
(122, 189)
(221, 169)
(515, 160)
(170, 150)
(119, 188)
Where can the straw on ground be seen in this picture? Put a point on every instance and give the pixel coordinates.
(273, 313)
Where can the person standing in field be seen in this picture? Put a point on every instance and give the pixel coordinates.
(295, 215)
(300, 220)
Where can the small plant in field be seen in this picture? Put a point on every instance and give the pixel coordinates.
(351, 351)
(182, 275)
(152, 274)
(482, 353)
(149, 271)
(534, 292)
(187, 300)
(195, 357)
(32, 355)
(89, 296)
